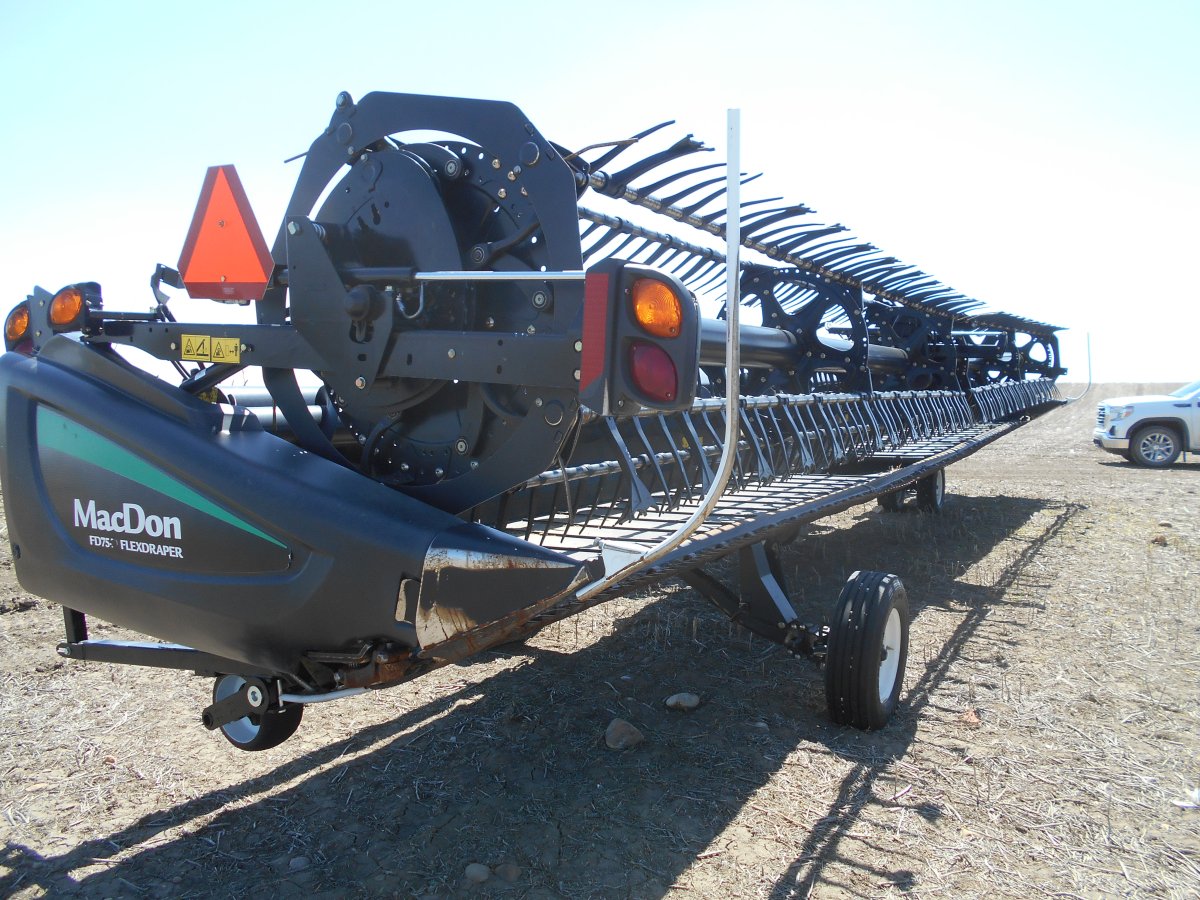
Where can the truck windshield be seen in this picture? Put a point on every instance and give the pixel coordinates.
(1187, 390)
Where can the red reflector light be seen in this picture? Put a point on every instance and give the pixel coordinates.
(653, 372)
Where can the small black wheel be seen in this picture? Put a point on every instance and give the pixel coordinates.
(256, 732)
(891, 501)
(1156, 446)
(868, 648)
(931, 492)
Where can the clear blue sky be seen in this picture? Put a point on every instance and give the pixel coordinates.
(1040, 156)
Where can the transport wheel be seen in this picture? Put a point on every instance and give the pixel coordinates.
(868, 647)
(891, 501)
(931, 492)
(1155, 446)
(260, 732)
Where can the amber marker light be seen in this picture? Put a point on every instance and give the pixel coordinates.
(656, 308)
(66, 308)
(16, 326)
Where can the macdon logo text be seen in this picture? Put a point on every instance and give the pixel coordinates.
(129, 519)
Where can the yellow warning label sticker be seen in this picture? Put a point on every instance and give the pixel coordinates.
(226, 350)
(204, 348)
(197, 347)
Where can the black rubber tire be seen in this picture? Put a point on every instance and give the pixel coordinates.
(856, 655)
(1155, 446)
(931, 492)
(261, 732)
(891, 501)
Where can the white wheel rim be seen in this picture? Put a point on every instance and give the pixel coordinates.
(240, 731)
(939, 491)
(889, 656)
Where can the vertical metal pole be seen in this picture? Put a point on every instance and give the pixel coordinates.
(733, 236)
(733, 272)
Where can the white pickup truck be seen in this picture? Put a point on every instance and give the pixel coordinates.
(1151, 430)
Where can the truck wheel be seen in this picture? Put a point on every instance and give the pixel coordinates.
(868, 647)
(931, 492)
(1155, 446)
(256, 732)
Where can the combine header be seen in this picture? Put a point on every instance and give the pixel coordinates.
(520, 404)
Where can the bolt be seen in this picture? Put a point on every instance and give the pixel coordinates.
(579, 346)
(512, 175)
(531, 330)
(452, 168)
(474, 464)
(495, 163)
(244, 348)
(254, 696)
(404, 467)
(172, 345)
(293, 228)
(540, 299)
(578, 374)
(460, 446)
(489, 322)
(343, 100)
(451, 353)
(360, 382)
(502, 193)
(439, 471)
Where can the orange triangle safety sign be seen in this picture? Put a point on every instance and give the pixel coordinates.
(225, 256)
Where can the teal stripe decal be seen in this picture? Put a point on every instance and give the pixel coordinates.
(57, 432)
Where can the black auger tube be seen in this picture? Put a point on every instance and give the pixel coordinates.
(765, 348)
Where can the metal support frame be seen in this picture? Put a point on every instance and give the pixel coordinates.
(761, 604)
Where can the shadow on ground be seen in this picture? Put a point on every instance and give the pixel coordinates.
(511, 768)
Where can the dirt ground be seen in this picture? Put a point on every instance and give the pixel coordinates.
(1047, 743)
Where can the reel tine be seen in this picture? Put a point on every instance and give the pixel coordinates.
(663, 182)
(703, 469)
(685, 483)
(720, 214)
(683, 147)
(765, 472)
(639, 498)
(688, 191)
(621, 146)
(770, 217)
(696, 207)
(662, 478)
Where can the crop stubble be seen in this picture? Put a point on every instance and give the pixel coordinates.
(1049, 730)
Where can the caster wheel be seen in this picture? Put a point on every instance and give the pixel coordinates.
(891, 502)
(868, 648)
(931, 492)
(256, 732)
